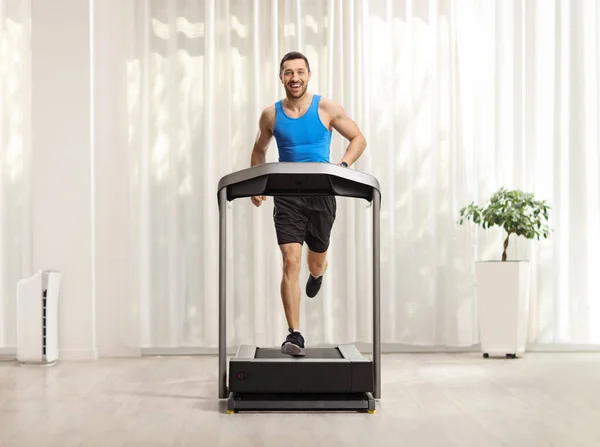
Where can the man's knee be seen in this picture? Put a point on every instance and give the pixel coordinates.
(317, 262)
(291, 263)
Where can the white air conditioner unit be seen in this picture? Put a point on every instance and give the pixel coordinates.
(37, 318)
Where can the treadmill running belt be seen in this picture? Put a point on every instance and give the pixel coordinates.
(311, 353)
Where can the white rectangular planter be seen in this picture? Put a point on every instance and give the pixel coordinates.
(503, 301)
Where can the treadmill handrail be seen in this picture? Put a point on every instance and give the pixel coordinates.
(304, 168)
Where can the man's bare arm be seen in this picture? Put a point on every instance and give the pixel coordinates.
(349, 130)
(263, 137)
(261, 144)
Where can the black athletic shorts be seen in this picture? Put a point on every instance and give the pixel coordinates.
(304, 218)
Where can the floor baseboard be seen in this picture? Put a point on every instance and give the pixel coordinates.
(77, 354)
(8, 353)
(366, 348)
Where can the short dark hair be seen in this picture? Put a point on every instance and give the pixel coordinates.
(291, 56)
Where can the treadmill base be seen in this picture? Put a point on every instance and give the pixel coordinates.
(363, 402)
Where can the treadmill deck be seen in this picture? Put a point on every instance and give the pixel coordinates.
(311, 353)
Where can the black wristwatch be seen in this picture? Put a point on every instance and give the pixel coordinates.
(344, 164)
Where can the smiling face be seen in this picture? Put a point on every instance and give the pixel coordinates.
(294, 77)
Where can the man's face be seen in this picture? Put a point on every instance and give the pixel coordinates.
(295, 77)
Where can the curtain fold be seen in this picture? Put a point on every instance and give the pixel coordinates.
(455, 98)
(15, 147)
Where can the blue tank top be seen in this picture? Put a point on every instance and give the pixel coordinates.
(303, 139)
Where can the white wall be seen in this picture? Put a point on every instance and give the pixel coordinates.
(116, 307)
(61, 189)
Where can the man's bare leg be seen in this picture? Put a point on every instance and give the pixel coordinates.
(317, 264)
(290, 286)
(290, 295)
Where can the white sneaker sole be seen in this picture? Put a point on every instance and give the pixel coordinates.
(292, 349)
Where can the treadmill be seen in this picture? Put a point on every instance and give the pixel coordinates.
(330, 379)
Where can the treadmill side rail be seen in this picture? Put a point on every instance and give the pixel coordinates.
(246, 352)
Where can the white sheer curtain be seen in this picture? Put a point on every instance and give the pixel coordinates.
(15, 121)
(455, 98)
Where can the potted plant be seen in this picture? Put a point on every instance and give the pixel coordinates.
(503, 285)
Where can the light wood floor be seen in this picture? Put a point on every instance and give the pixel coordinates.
(428, 400)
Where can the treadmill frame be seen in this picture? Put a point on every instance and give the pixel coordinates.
(257, 178)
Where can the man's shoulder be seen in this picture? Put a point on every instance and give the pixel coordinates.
(269, 110)
(324, 101)
(267, 116)
(329, 106)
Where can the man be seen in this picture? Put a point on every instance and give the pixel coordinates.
(302, 125)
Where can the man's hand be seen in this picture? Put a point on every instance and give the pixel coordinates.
(258, 200)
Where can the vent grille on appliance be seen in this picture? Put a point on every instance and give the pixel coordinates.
(44, 322)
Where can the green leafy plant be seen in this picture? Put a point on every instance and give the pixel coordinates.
(515, 211)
